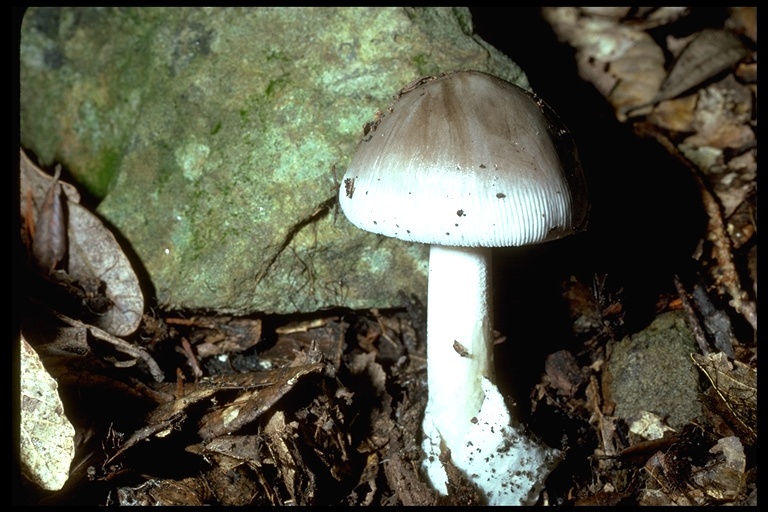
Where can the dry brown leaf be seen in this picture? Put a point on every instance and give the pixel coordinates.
(624, 63)
(722, 116)
(298, 481)
(640, 17)
(647, 17)
(93, 254)
(49, 241)
(249, 405)
(231, 451)
(709, 52)
(47, 436)
(640, 71)
(34, 184)
(675, 114)
(164, 493)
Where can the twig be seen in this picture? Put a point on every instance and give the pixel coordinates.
(119, 344)
(693, 320)
(191, 358)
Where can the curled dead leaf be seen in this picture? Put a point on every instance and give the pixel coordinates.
(49, 236)
(95, 261)
(95, 253)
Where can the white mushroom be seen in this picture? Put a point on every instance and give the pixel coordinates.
(464, 162)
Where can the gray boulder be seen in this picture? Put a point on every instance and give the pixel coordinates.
(214, 139)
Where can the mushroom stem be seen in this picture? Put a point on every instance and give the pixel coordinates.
(465, 411)
(459, 337)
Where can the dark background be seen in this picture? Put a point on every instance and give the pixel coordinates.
(646, 215)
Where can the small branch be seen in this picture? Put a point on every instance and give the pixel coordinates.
(693, 320)
(119, 344)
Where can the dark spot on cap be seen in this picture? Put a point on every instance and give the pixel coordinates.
(460, 213)
(501, 196)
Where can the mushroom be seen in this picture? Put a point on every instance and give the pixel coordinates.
(466, 161)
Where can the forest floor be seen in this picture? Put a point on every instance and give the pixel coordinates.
(326, 408)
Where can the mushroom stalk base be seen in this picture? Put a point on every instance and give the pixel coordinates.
(465, 411)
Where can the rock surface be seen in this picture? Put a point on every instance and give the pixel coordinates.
(652, 371)
(214, 138)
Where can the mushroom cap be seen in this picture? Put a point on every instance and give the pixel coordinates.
(466, 159)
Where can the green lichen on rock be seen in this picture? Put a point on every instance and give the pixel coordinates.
(652, 371)
(216, 137)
